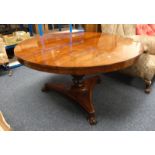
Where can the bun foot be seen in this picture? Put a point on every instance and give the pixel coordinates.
(92, 119)
(147, 91)
(148, 86)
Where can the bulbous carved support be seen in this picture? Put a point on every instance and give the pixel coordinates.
(77, 80)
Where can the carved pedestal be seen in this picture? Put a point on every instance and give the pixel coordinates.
(80, 91)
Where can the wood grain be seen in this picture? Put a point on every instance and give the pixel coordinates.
(78, 53)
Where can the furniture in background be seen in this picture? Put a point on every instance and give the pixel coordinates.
(44, 28)
(78, 54)
(70, 27)
(6, 29)
(15, 38)
(145, 66)
(92, 27)
(4, 61)
(8, 42)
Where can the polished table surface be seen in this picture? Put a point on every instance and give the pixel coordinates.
(78, 54)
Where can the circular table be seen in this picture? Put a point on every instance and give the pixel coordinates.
(78, 54)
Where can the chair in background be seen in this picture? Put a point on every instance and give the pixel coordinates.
(4, 61)
(145, 65)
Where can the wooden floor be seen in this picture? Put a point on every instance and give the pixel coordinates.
(4, 126)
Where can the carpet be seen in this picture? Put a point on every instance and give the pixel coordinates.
(120, 103)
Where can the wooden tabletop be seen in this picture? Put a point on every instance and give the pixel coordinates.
(78, 53)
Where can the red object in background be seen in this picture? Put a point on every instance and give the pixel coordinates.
(145, 29)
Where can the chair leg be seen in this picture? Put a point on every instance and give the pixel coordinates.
(5, 67)
(147, 86)
(10, 72)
